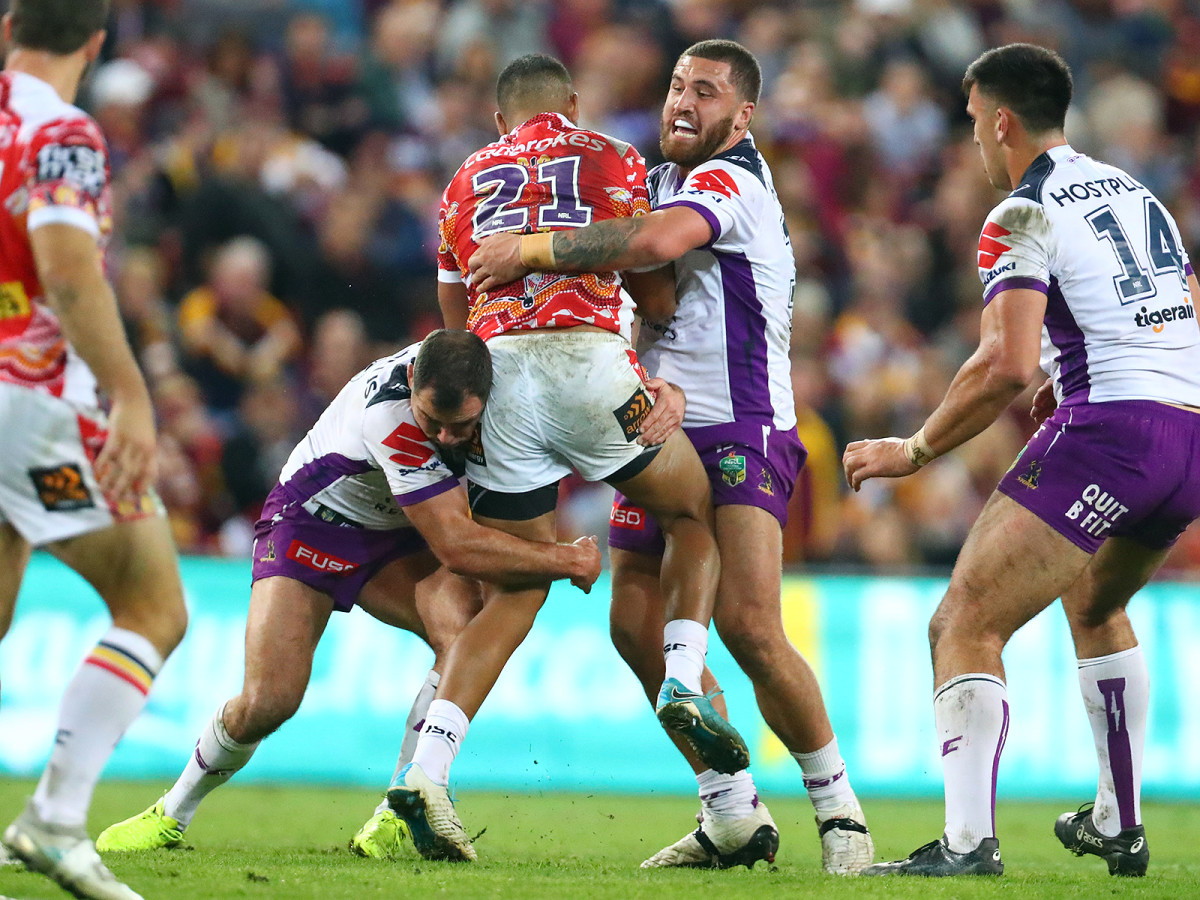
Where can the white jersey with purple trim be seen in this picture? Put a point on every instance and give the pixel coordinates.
(1119, 323)
(366, 458)
(727, 345)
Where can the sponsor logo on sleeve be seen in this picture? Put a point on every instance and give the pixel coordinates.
(715, 182)
(77, 164)
(632, 413)
(991, 248)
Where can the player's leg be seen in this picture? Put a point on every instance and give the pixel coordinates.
(14, 556)
(1012, 566)
(285, 622)
(735, 828)
(418, 595)
(749, 618)
(673, 488)
(1115, 686)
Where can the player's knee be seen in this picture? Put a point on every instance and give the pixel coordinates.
(630, 646)
(752, 647)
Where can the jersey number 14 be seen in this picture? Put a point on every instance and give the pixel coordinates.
(1135, 283)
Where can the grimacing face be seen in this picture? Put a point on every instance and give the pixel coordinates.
(984, 113)
(446, 427)
(699, 113)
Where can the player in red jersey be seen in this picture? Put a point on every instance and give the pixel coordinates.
(72, 479)
(568, 393)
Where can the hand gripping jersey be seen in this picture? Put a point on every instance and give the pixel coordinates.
(54, 166)
(1119, 324)
(545, 175)
(727, 345)
(366, 458)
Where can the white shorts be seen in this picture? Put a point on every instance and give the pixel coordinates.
(48, 491)
(560, 400)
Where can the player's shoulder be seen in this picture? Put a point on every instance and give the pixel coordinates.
(386, 379)
(1017, 213)
(45, 116)
(737, 173)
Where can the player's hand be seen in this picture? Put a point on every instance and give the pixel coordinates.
(126, 465)
(882, 458)
(496, 262)
(588, 569)
(665, 416)
(1044, 403)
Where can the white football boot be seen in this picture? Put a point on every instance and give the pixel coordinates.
(721, 843)
(846, 845)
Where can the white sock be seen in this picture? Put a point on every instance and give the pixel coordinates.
(1116, 692)
(970, 713)
(727, 796)
(412, 728)
(216, 758)
(825, 778)
(685, 644)
(105, 696)
(440, 740)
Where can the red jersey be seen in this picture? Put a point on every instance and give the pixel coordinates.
(53, 170)
(546, 175)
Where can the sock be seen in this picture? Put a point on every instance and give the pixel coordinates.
(825, 778)
(105, 696)
(1116, 692)
(445, 727)
(685, 644)
(727, 796)
(970, 713)
(412, 728)
(216, 758)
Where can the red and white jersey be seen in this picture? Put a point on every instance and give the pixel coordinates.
(53, 170)
(546, 175)
(1120, 323)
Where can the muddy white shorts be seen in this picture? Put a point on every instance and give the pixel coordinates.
(48, 490)
(560, 400)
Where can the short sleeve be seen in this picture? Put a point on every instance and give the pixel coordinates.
(448, 270)
(67, 177)
(721, 194)
(1014, 248)
(409, 460)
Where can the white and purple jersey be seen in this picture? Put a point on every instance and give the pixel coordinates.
(1119, 323)
(727, 345)
(366, 458)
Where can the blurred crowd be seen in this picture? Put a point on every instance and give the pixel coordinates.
(278, 164)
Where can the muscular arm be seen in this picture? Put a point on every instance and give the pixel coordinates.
(452, 298)
(605, 246)
(998, 370)
(72, 276)
(467, 548)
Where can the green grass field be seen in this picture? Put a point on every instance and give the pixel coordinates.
(263, 842)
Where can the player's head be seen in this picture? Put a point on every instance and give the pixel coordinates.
(61, 27)
(532, 84)
(711, 100)
(1015, 92)
(451, 379)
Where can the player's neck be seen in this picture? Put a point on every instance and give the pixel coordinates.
(60, 72)
(1021, 158)
(736, 137)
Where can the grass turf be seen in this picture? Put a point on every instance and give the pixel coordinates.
(289, 842)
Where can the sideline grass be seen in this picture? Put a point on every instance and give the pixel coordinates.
(289, 842)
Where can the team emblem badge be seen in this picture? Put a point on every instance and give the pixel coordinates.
(733, 469)
(1030, 478)
(765, 484)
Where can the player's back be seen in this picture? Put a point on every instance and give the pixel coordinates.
(1120, 323)
(545, 175)
(53, 169)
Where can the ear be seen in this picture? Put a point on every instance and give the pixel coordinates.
(1003, 124)
(94, 45)
(573, 107)
(6, 22)
(501, 125)
(742, 120)
(411, 369)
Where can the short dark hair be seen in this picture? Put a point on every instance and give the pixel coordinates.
(744, 70)
(456, 365)
(58, 26)
(531, 81)
(1032, 81)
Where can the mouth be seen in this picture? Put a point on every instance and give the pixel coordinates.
(681, 128)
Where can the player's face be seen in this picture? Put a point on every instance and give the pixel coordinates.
(701, 113)
(984, 113)
(446, 427)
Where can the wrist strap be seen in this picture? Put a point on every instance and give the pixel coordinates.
(917, 449)
(537, 250)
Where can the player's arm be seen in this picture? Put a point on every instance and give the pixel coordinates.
(452, 298)
(467, 548)
(605, 246)
(653, 292)
(71, 272)
(999, 369)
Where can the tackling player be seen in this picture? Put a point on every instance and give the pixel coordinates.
(73, 480)
(717, 214)
(1084, 269)
(368, 512)
(569, 393)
